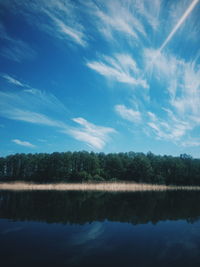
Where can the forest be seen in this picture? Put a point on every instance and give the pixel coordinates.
(86, 166)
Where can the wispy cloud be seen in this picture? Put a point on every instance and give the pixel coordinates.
(23, 143)
(15, 49)
(181, 87)
(65, 31)
(32, 100)
(181, 82)
(172, 129)
(58, 18)
(121, 68)
(66, 20)
(124, 19)
(42, 140)
(150, 11)
(95, 136)
(18, 51)
(31, 106)
(128, 113)
(191, 143)
(32, 117)
(14, 81)
(168, 129)
(189, 28)
(132, 32)
(152, 116)
(117, 16)
(179, 23)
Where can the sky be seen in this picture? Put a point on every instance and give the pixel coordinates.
(100, 75)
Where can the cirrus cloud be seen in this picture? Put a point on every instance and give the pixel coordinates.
(23, 143)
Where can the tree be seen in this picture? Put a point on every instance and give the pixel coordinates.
(84, 166)
(139, 169)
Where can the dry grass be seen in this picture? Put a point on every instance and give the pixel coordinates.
(110, 187)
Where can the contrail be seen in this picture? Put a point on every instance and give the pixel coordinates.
(180, 22)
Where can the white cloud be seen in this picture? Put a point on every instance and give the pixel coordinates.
(65, 30)
(116, 19)
(118, 16)
(179, 23)
(159, 62)
(120, 67)
(121, 21)
(63, 21)
(18, 51)
(23, 143)
(191, 143)
(15, 49)
(59, 18)
(181, 80)
(170, 127)
(13, 80)
(32, 117)
(188, 103)
(150, 11)
(152, 116)
(31, 106)
(128, 114)
(95, 136)
(32, 100)
(42, 140)
(92, 141)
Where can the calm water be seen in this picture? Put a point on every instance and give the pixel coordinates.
(99, 229)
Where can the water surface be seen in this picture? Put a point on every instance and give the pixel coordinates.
(96, 228)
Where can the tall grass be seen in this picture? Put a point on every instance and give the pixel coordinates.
(104, 186)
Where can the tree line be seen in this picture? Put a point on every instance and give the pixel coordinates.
(90, 166)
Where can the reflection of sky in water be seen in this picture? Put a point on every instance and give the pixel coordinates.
(90, 233)
(11, 230)
(184, 242)
(84, 242)
(99, 243)
(166, 243)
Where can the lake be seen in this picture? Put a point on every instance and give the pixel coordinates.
(50, 228)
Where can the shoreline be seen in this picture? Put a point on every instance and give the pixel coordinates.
(104, 186)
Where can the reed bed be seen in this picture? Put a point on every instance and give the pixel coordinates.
(104, 186)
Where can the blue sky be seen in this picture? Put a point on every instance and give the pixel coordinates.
(104, 75)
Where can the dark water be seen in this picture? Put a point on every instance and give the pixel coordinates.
(99, 229)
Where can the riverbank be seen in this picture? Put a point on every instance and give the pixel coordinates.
(110, 187)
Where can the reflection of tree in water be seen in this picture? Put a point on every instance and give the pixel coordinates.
(83, 207)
